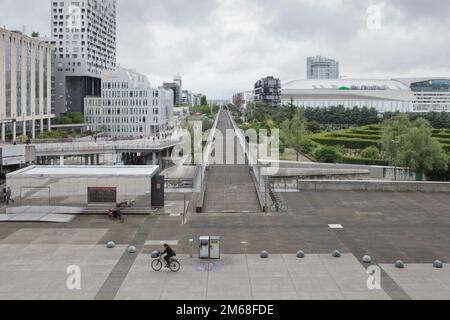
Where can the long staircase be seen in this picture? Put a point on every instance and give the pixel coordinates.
(230, 187)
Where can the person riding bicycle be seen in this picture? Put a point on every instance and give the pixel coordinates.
(168, 251)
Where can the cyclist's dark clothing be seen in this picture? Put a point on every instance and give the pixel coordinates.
(169, 254)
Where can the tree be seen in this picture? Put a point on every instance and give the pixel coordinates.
(371, 153)
(65, 120)
(411, 144)
(204, 101)
(35, 34)
(313, 127)
(207, 124)
(76, 117)
(294, 132)
(328, 154)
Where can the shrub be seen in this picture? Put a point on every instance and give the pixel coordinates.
(65, 120)
(350, 143)
(364, 161)
(308, 146)
(328, 154)
(313, 126)
(371, 153)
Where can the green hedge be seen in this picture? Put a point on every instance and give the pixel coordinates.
(365, 161)
(353, 136)
(350, 143)
(441, 135)
(366, 132)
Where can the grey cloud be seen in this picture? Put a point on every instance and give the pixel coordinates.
(268, 37)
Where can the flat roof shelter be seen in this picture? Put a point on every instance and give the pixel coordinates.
(81, 186)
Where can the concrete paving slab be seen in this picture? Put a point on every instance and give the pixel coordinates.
(58, 218)
(421, 281)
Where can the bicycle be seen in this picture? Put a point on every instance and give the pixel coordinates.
(116, 214)
(277, 207)
(158, 263)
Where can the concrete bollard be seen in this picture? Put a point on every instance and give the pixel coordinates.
(132, 249)
(367, 259)
(264, 254)
(438, 264)
(399, 264)
(336, 254)
(111, 245)
(300, 254)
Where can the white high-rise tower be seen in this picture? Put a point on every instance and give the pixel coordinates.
(322, 68)
(84, 35)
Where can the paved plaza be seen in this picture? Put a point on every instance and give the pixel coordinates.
(413, 227)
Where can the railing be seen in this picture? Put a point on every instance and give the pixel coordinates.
(106, 145)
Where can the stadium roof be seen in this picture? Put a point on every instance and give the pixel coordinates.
(318, 84)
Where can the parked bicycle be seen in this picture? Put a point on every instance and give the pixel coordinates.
(126, 204)
(158, 263)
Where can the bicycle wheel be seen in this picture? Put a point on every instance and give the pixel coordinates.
(174, 266)
(157, 265)
(284, 208)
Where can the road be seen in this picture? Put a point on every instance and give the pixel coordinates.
(230, 187)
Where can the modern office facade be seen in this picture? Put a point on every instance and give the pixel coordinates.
(242, 99)
(129, 107)
(177, 87)
(268, 91)
(84, 33)
(322, 68)
(430, 94)
(25, 85)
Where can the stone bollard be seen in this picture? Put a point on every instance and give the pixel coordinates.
(300, 254)
(367, 259)
(438, 264)
(264, 254)
(336, 254)
(132, 249)
(399, 264)
(111, 245)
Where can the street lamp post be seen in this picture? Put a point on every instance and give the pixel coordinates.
(396, 143)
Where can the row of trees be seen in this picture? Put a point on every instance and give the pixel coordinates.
(260, 112)
(338, 115)
(438, 120)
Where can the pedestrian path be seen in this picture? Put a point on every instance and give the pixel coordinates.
(40, 214)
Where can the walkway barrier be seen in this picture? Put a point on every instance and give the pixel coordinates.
(251, 159)
(374, 185)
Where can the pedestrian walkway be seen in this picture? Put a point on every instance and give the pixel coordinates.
(230, 187)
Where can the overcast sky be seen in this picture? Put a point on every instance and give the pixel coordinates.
(223, 46)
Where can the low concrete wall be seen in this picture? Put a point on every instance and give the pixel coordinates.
(399, 186)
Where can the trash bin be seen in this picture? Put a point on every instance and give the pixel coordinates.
(214, 247)
(204, 247)
(209, 247)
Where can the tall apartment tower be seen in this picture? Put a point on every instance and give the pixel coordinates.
(84, 33)
(322, 68)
